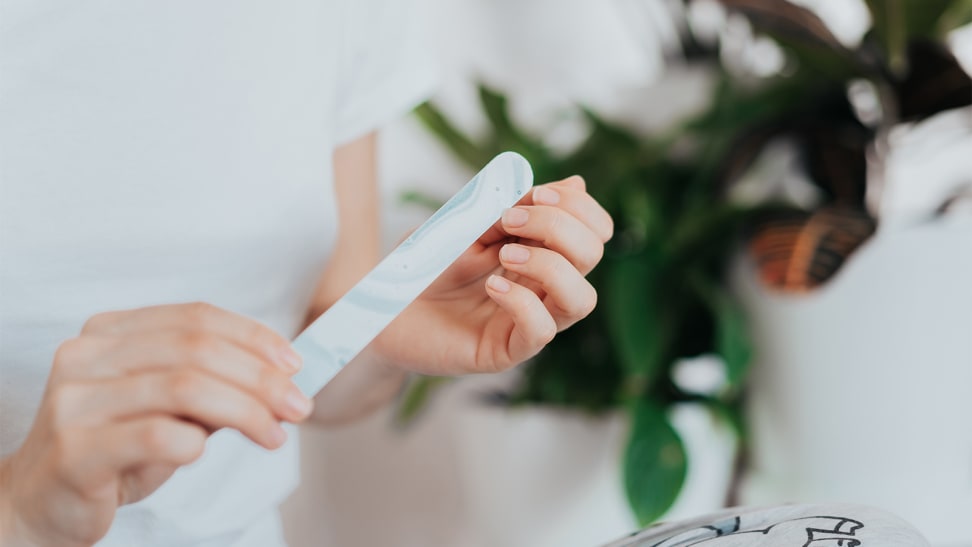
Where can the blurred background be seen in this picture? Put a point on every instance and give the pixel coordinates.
(785, 311)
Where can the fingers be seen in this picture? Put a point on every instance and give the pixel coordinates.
(72, 358)
(576, 182)
(199, 317)
(533, 326)
(577, 202)
(194, 396)
(570, 195)
(189, 362)
(119, 446)
(569, 296)
(564, 231)
(168, 349)
(175, 352)
(557, 230)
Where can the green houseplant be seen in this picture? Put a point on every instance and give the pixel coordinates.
(662, 282)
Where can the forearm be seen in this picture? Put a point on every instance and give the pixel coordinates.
(363, 386)
(366, 383)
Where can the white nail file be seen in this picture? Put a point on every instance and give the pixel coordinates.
(359, 316)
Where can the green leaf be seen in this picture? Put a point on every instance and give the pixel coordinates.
(457, 142)
(577, 370)
(922, 17)
(958, 15)
(414, 197)
(706, 234)
(899, 22)
(888, 17)
(634, 313)
(732, 341)
(655, 463)
(506, 135)
(732, 337)
(801, 32)
(415, 396)
(494, 106)
(731, 413)
(736, 107)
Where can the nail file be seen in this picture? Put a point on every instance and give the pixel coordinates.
(359, 316)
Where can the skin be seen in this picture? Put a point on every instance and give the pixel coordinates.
(138, 392)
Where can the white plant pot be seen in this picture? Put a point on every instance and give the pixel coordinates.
(538, 477)
(862, 391)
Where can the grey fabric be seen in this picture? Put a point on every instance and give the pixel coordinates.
(785, 526)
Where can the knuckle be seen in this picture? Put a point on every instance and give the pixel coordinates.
(62, 403)
(591, 302)
(197, 344)
(592, 259)
(191, 448)
(68, 352)
(254, 417)
(270, 385)
(579, 305)
(499, 364)
(199, 313)
(574, 182)
(98, 322)
(545, 333)
(184, 444)
(183, 387)
(249, 416)
(155, 436)
(584, 304)
(553, 220)
(262, 336)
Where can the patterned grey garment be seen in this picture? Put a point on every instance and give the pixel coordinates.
(786, 526)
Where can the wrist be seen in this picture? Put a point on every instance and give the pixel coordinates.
(364, 385)
(381, 365)
(12, 533)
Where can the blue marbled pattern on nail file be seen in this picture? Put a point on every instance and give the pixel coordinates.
(361, 314)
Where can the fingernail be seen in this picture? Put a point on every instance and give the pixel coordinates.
(290, 359)
(515, 217)
(277, 436)
(299, 405)
(546, 196)
(498, 284)
(516, 254)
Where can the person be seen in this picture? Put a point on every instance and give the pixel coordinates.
(183, 187)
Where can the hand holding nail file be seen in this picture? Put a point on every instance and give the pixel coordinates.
(359, 316)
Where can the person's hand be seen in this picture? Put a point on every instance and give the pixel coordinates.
(503, 300)
(130, 400)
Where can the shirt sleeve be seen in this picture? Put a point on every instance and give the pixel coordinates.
(385, 66)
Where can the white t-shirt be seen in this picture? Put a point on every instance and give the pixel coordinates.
(158, 152)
